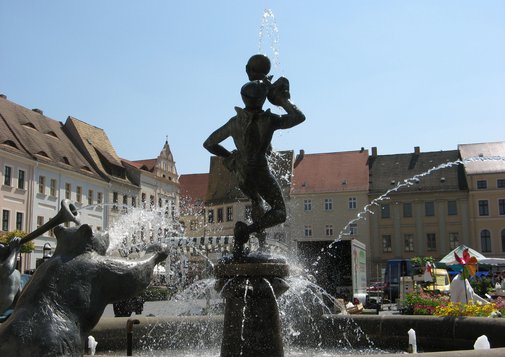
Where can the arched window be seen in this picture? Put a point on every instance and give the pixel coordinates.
(485, 241)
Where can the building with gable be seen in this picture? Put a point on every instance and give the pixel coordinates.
(158, 180)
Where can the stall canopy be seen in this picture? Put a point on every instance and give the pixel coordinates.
(449, 259)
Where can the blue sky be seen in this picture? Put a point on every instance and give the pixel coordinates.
(390, 74)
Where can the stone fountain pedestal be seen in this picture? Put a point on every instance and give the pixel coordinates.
(251, 287)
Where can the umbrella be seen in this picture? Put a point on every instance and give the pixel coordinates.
(450, 258)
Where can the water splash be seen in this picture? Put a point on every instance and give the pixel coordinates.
(269, 29)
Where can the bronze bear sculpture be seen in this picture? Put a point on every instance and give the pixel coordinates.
(67, 295)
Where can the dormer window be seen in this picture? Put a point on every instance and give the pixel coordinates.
(29, 125)
(10, 143)
(65, 160)
(52, 134)
(43, 153)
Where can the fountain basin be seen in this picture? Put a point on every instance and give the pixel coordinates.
(386, 332)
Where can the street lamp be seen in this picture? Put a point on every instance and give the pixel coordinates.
(46, 251)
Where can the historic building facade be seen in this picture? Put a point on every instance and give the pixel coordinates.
(44, 161)
(485, 174)
(328, 192)
(423, 214)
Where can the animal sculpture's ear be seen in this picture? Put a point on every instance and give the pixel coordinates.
(85, 230)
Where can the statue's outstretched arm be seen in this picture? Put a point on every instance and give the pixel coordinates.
(293, 117)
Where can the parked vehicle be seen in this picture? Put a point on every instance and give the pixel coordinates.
(377, 286)
(341, 268)
(441, 281)
(395, 269)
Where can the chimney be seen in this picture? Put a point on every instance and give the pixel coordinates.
(37, 110)
(3, 96)
(299, 158)
(417, 150)
(374, 151)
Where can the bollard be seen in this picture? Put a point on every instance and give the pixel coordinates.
(129, 335)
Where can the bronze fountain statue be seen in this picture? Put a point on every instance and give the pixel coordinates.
(251, 282)
(67, 295)
(252, 130)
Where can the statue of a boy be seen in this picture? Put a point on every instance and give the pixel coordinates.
(252, 130)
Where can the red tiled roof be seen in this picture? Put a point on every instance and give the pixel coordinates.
(331, 172)
(148, 164)
(194, 186)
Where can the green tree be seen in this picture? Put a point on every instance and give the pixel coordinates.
(6, 237)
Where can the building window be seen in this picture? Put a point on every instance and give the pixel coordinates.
(500, 183)
(307, 205)
(125, 200)
(134, 201)
(52, 188)
(431, 240)
(78, 194)
(7, 175)
(90, 197)
(429, 209)
(485, 241)
(503, 240)
(210, 216)
(42, 184)
(229, 214)
(219, 215)
(21, 179)
(352, 202)
(68, 191)
(143, 199)
(385, 211)
(328, 204)
(307, 231)
(99, 197)
(407, 209)
(329, 230)
(481, 184)
(386, 243)
(5, 220)
(19, 221)
(248, 213)
(408, 240)
(483, 208)
(452, 208)
(453, 240)
(40, 221)
(353, 229)
(151, 201)
(115, 200)
(501, 206)
(160, 202)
